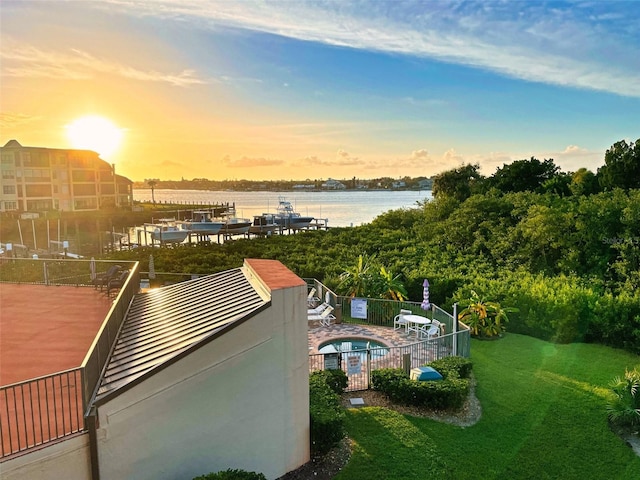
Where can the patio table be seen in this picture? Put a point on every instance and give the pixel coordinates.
(416, 323)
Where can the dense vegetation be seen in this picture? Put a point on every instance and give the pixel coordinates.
(567, 260)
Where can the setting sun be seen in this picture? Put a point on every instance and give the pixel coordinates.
(95, 133)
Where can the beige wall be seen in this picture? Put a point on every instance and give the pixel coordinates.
(241, 401)
(68, 460)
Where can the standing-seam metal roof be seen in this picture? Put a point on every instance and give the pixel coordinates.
(164, 323)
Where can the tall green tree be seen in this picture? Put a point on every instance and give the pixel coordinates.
(523, 175)
(621, 167)
(584, 182)
(458, 183)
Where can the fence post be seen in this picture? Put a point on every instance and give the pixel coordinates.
(368, 368)
(406, 363)
(454, 349)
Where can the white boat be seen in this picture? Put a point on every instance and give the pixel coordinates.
(167, 231)
(287, 217)
(264, 224)
(236, 226)
(203, 223)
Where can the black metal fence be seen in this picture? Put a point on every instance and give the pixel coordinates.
(359, 363)
(41, 410)
(45, 409)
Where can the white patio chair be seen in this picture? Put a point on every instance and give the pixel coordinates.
(312, 300)
(399, 320)
(317, 310)
(432, 332)
(325, 318)
(320, 316)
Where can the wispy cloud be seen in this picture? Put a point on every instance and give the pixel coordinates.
(12, 120)
(250, 162)
(23, 60)
(588, 45)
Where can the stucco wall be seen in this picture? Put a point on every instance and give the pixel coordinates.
(241, 401)
(68, 459)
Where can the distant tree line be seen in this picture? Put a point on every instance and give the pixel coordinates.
(621, 170)
(387, 183)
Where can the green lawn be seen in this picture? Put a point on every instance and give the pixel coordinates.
(543, 417)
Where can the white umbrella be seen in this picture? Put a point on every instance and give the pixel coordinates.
(152, 268)
(92, 268)
(426, 305)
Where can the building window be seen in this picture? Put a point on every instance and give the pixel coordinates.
(38, 190)
(9, 189)
(84, 189)
(85, 204)
(37, 175)
(38, 205)
(8, 174)
(107, 188)
(83, 176)
(10, 206)
(35, 159)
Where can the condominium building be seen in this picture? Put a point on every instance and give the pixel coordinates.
(35, 179)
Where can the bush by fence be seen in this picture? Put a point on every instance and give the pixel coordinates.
(446, 394)
(327, 415)
(232, 475)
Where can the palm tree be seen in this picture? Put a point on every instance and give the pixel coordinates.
(390, 286)
(152, 183)
(624, 407)
(485, 319)
(354, 281)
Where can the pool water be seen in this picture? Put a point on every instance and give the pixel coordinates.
(355, 345)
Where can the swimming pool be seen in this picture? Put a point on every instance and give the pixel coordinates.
(352, 344)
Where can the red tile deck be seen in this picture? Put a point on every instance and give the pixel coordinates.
(46, 329)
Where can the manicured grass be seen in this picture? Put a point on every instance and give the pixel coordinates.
(543, 417)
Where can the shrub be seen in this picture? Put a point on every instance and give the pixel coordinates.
(232, 475)
(484, 318)
(448, 393)
(336, 379)
(624, 409)
(452, 367)
(327, 416)
(387, 380)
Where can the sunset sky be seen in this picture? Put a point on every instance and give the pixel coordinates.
(299, 90)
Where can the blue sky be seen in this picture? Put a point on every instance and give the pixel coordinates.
(297, 90)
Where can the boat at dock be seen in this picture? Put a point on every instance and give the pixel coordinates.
(287, 218)
(166, 231)
(203, 223)
(236, 226)
(264, 224)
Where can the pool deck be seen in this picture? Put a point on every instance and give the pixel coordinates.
(386, 335)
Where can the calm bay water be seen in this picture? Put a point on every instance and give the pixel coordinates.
(341, 208)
